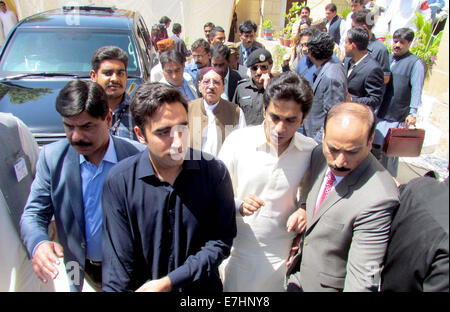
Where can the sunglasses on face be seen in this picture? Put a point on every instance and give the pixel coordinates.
(262, 67)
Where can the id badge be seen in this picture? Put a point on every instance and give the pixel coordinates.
(21, 169)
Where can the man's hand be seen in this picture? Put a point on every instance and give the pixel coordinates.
(160, 285)
(294, 249)
(410, 121)
(44, 260)
(250, 204)
(265, 78)
(297, 221)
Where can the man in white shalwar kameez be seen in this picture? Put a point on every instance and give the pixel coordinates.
(266, 165)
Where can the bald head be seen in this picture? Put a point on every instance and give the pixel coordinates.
(348, 136)
(347, 111)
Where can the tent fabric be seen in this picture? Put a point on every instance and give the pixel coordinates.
(191, 14)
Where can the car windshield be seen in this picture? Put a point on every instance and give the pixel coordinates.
(62, 50)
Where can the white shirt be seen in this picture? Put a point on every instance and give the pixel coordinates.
(261, 247)
(209, 144)
(8, 19)
(225, 92)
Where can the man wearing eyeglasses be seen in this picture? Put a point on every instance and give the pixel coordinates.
(212, 118)
(201, 57)
(249, 92)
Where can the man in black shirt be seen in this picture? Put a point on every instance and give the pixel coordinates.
(169, 217)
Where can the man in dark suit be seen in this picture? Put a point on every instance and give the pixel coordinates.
(330, 82)
(417, 258)
(365, 78)
(247, 34)
(349, 206)
(220, 57)
(68, 185)
(334, 23)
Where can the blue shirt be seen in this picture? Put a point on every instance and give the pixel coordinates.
(306, 68)
(122, 121)
(92, 179)
(192, 70)
(153, 229)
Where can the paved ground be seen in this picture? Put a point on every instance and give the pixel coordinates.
(410, 168)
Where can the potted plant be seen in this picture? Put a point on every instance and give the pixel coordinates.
(287, 39)
(268, 29)
(281, 34)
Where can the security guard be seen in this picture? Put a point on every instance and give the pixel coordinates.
(249, 92)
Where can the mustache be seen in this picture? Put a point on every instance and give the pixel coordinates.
(340, 169)
(114, 85)
(81, 143)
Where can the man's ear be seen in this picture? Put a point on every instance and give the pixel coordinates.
(93, 75)
(140, 136)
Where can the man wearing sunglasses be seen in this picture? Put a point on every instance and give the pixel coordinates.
(249, 92)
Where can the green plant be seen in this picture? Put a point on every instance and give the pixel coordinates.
(426, 45)
(277, 56)
(292, 16)
(345, 12)
(267, 24)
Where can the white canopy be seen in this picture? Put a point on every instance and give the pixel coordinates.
(191, 14)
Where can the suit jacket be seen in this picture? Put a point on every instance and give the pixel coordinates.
(233, 79)
(345, 243)
(57, 191)
(330, 88)
(366, 82)
(417, 258)
(255, 45)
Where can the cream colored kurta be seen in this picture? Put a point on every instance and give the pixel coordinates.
(261, 247)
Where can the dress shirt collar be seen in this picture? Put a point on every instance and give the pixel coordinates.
(110, 154)
(297, 140)
(210, 107)
(145, 169)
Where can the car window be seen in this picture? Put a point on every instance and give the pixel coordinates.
(62, 50)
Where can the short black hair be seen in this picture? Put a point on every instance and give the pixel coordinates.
(360, 36)
(149, 97)
(290, 86)
(108, 53)
(404, 33)
(320, 45)
(340, 108)
(306, 32)
(172, 56)
(78, 96)
(331, 7)
(201, 43)
(164, 20)
(209, 24)
(364, 17)
(176, 28)
(220, 49)
(247, 26)
(215, 30)
(360, 1)
(306, 8)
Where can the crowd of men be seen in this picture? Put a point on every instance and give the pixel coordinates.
(220, 176)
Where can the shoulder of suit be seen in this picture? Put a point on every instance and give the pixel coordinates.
(128, 143)
(244, 81)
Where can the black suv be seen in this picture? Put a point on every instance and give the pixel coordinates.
(46, 50)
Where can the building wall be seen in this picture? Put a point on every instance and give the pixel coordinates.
(437, 96)
(256, 10)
